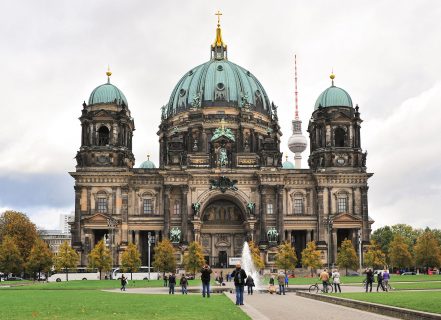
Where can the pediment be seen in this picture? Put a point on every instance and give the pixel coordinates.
(103, 113)
(97, 218)
(346, 217)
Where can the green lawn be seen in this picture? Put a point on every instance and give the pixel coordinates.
(87, 284)
(416, 285)
(95, 304)
(418, 300)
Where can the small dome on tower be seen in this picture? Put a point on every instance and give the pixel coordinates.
(288, 164)
(107, 93)
(147, 164)
(333, 97)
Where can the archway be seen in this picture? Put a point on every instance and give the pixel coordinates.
(222, 231)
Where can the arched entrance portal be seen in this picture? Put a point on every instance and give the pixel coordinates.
(222, 232)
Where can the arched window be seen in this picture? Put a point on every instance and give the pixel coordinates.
(339, 137)
(103, 136)
(177, 207)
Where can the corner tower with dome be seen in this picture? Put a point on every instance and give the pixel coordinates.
(220, 179)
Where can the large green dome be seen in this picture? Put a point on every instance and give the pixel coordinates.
(218, 82)
(333, 97)
(107, 93)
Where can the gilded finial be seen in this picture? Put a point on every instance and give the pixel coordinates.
(222, 124)
(286, 157)
(218, 14)
(108, 73)
(148, 157)
(332, 76)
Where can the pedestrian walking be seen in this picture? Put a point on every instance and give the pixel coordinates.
(324, 277)
(380, 280)
(239, 275)
(386, 278)
(183, 282)
(123, 282)
(286, 280)
(336, 280)
(250, 284)
(281, 281)
(205, 277)
(171, 284)
(369, 279)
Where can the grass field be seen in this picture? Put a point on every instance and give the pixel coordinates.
(428, 301)
(87, 284)
(416, 285)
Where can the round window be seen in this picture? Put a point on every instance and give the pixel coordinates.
(220, 68)
(182, 92)
(220, 86)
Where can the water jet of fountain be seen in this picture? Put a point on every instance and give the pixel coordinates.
(248, 266)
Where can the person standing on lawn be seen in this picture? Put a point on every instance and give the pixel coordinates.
(205, 277)
(183, 282)
(171, 283)
(250, 284)
(123, 282)
(239, 275)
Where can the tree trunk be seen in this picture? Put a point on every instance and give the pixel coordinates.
(131, 275)
(67, 274)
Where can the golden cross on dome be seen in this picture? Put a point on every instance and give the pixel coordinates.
(218, 14)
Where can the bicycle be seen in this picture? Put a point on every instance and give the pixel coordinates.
(315, 288)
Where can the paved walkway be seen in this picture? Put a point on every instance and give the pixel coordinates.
(264, 306)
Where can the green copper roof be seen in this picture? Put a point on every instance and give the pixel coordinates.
(147, 165)
(218, 83)
(288, 165)
(107, 93)
(333, 97)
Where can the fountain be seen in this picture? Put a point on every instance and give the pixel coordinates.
(248, 266)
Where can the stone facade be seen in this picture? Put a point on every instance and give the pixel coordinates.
(220, 179)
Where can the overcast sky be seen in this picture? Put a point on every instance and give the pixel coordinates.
(386, 54)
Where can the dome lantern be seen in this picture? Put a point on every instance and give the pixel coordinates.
(107, 93)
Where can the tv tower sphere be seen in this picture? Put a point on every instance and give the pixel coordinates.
(297, 143)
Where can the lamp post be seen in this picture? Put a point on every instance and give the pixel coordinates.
(150, 240)
(359, 246)
(328, 221)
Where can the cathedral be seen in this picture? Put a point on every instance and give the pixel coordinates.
(220, 179)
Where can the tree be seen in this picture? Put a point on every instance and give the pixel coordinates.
(383, 237)
(66, 258)
(374, 256)
(399, 253)
(427, 250)
(311, 257)
(347, 257)
(100, 258)
(131, 259)
(194, 257)
(40, 259)
(164, 257)
(286, 257)
(409, 234)
(18, 226)
(10, 258)
(255, 254)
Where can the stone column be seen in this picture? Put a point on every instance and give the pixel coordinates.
(137, 242)
(184, 220)
(320, 211)
(113, 201)
(289, 239)
(308, 236)
(279, 203)
(89, 200)
(262, 192)
(364, 212)
(167, 191)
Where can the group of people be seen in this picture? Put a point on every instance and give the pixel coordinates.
(170, 282)
(326, 276)
(383, 278)
(282, 280)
